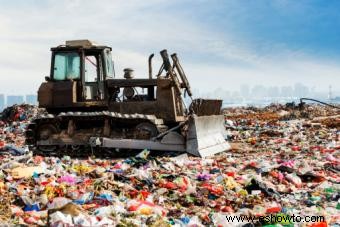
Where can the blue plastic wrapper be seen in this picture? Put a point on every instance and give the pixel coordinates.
(107, 197)
(185, 220)
(85, 198)
(13, 150)
(33, 207)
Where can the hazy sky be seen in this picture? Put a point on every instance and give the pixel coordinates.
(220, 43)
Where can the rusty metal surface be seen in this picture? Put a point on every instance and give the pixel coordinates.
(115, 104)
(205, 107)
(45, 93)
(57, 94)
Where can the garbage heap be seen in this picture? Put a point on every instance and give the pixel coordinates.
(13, 123)
(276, 166)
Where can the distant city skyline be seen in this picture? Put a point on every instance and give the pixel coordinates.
(262, 93)
(9, 100)
(245, 90)
(245, 94)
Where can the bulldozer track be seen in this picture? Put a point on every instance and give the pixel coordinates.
(116, 115)
(57, 123)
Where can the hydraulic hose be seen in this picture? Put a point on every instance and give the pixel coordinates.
(318, 101)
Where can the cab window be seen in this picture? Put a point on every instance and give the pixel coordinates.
(108, 63)
(66, 66)
(91, 68)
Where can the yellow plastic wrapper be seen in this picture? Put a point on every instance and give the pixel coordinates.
(145, 210)
(230, 183)
(50, 192)
(82, 169)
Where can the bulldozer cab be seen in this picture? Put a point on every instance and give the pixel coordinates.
(77, 77)
(86, 63)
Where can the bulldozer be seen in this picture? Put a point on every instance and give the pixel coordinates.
(86, 105)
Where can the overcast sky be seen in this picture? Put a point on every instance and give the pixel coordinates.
(220, 43)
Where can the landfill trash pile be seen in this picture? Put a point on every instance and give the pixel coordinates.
(275, 167)
(275, 112)
(13, 123)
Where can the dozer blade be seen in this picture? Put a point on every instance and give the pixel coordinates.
(206, 135)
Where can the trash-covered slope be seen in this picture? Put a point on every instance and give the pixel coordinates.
(282, 162)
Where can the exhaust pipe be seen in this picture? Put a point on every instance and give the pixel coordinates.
(166, 61)
(150, 65)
